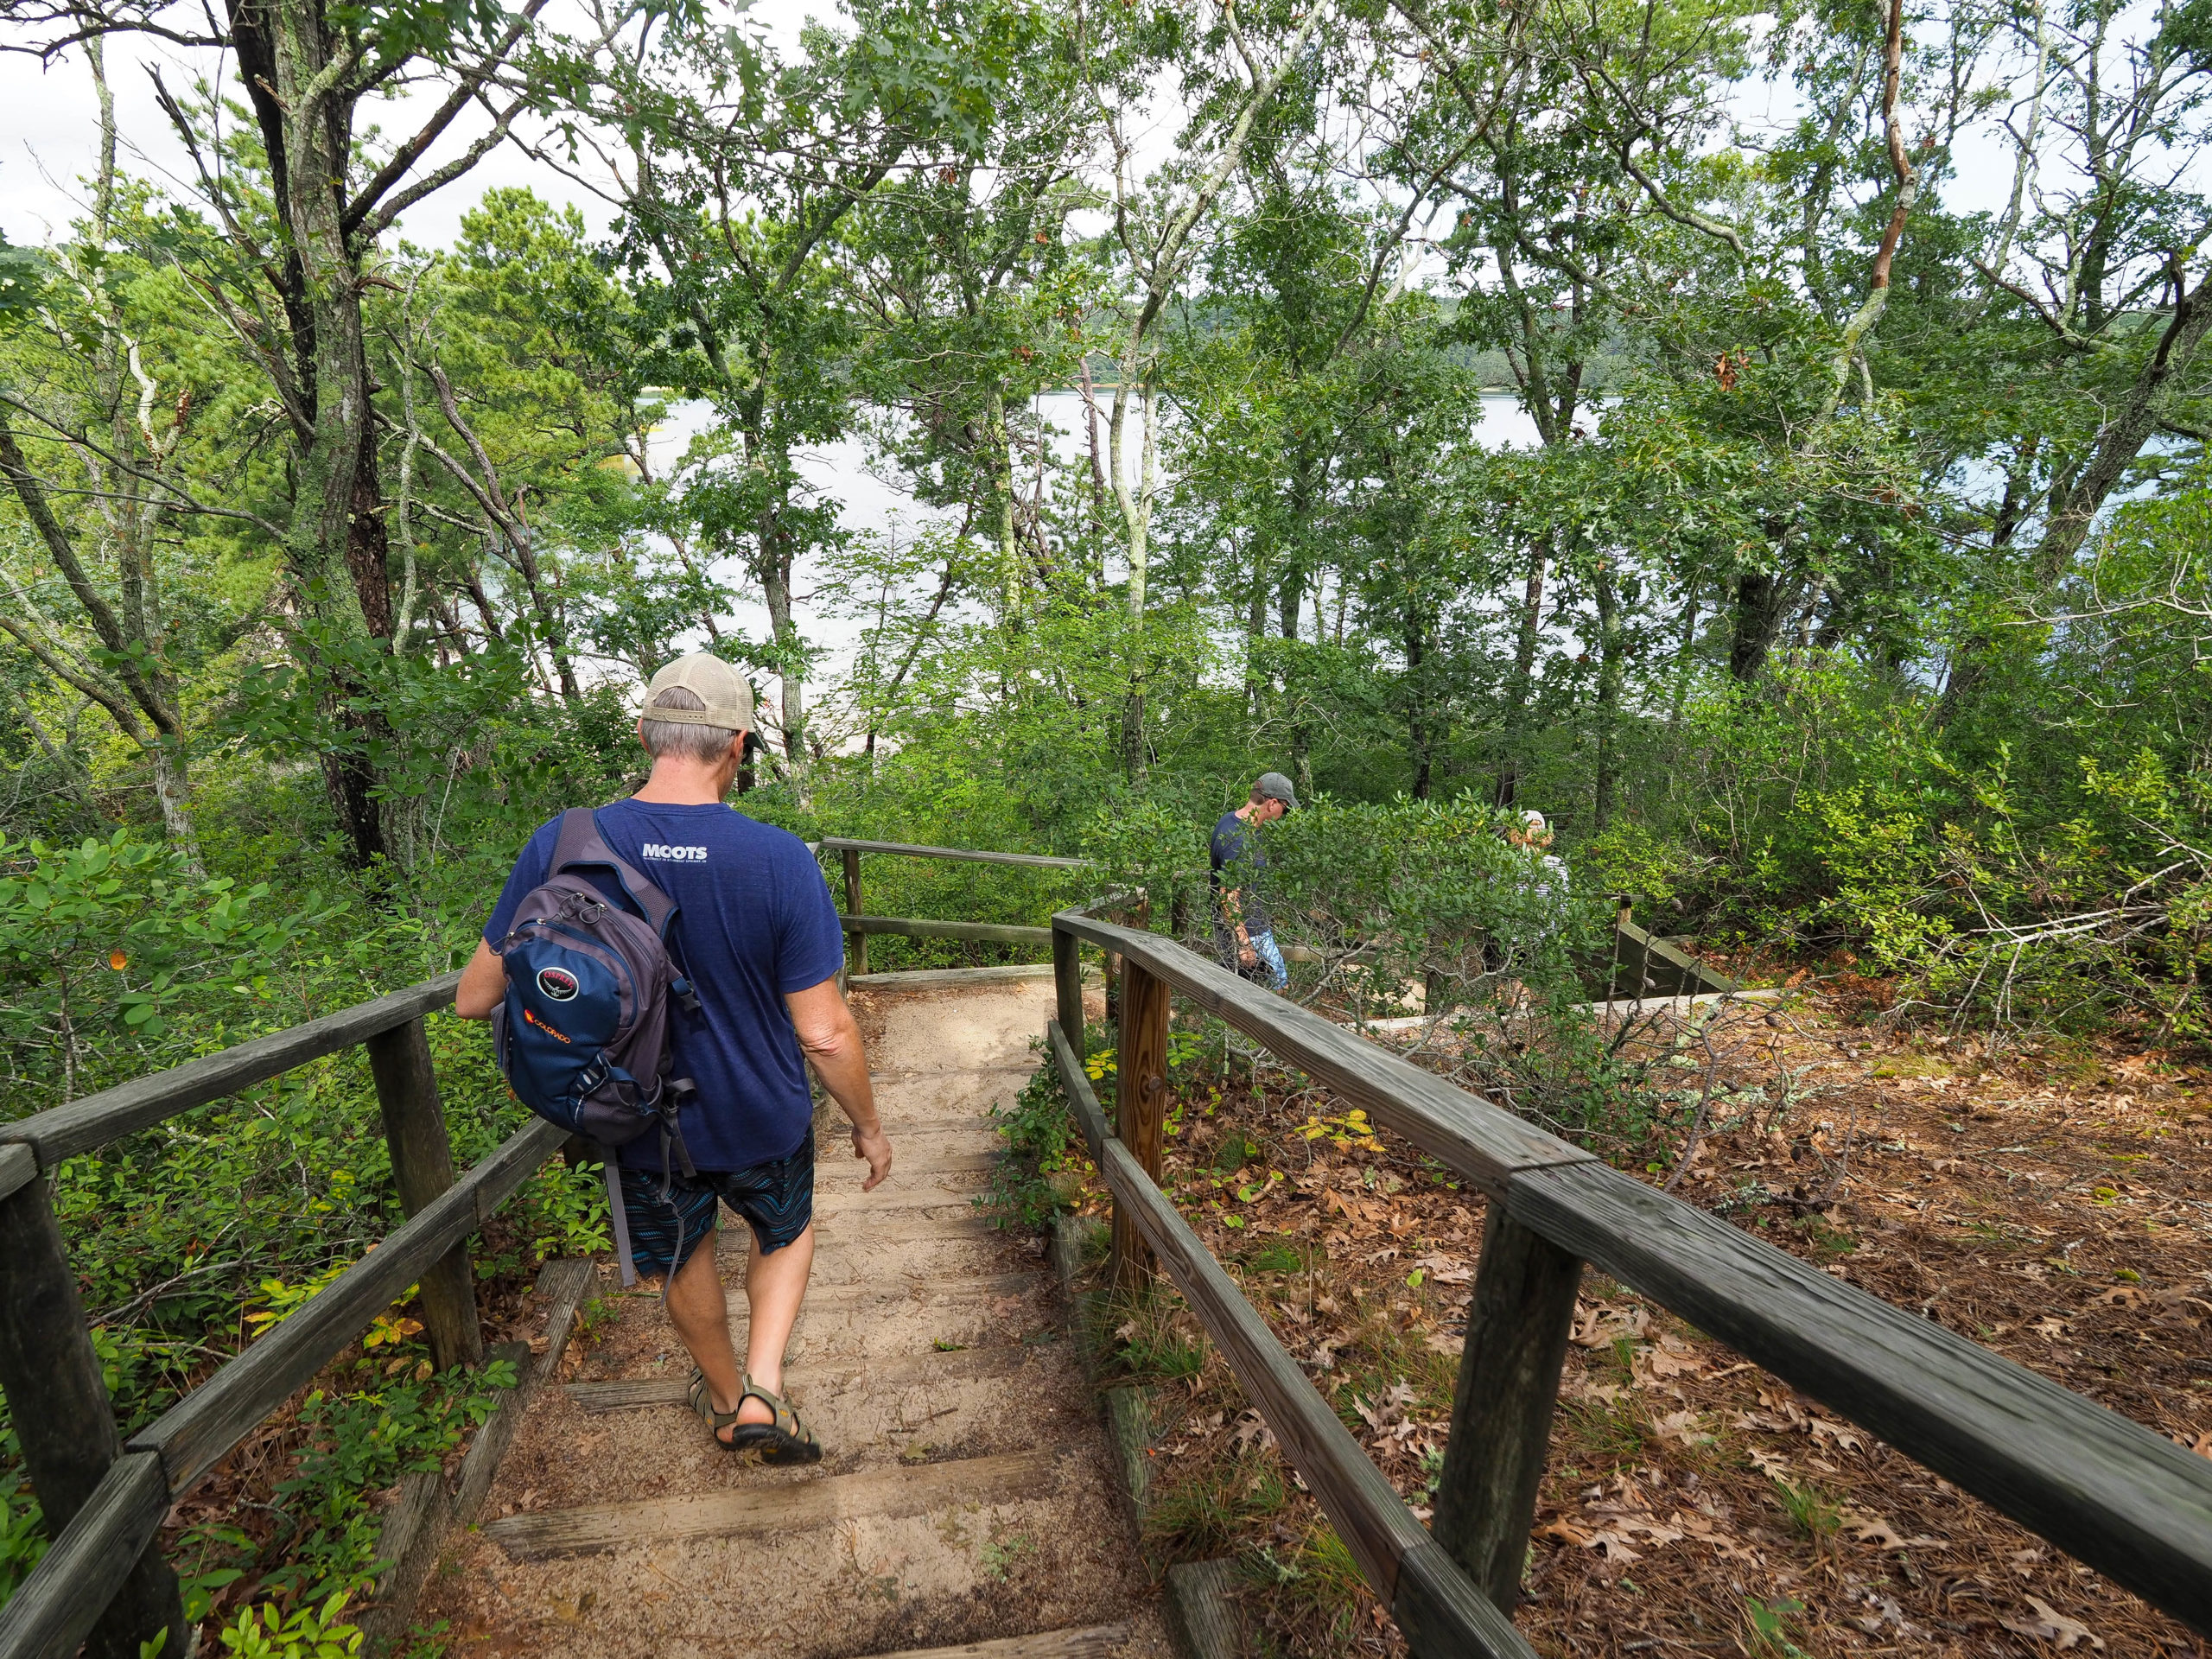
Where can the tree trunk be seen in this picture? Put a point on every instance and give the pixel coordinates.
(1761, 601)
(776, 588)
(1420, 737)
(1612, 667)
(1514, 735)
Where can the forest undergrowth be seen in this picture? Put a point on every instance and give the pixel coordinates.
(2040, 1204)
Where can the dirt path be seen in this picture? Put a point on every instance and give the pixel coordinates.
(965, 1495)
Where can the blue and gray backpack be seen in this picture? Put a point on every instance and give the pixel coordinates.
(582, 1038)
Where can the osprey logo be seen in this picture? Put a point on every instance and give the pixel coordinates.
(662, 850)
(558, 984)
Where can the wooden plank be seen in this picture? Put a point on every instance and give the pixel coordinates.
(422, 1167)
(1672, 972)
(93, 1121)
(2104, 1489)
(757, 1512)
(1203, 1611)
(18, 1166)
(1094, 1641)
(1037, 860)
(201, 1429)
(1369, 1516)
(1089, 1116)
(53, 1610)
(909, 927)
(960, 1364)
(1139, 1106)
(58, 1403)
(1067, 986)
(945, 979)
(1481, 1141)
(1517, 1327)
(1443, 1616)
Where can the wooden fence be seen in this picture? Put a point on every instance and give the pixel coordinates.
(858, 924)
(2100, 1487)
(104, 1582)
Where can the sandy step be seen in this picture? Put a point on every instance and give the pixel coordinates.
(1093, 1642)
(865, 1418)
(854, 1260)
(886, 1289)
(855, 1225)
(1003, 1359)
(934, 1203)
(758, 1510)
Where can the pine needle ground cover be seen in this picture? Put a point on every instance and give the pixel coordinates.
(2047, 1208)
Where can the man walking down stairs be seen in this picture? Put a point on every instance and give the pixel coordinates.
(965, 1494)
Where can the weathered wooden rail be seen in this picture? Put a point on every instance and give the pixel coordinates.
(858, 924)
(2102, 1488)
(104, 1582)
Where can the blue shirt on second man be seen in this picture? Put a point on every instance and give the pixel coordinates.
(756, 922)
(1234, 848)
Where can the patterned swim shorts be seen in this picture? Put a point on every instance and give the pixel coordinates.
(776, 1199)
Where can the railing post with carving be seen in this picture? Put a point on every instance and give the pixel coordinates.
(1517, 1328)
(1140, 1105)
(422, 1164)
(58, 1402)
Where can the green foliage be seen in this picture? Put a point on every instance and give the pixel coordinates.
(1031, 1181)
(265, 1631)
(1770, 1628)
(1815, 1515)
(23, 1537)
(361, 1440)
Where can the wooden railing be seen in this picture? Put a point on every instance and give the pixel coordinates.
(104, 1498)
(2106, 1490)
(858, 924)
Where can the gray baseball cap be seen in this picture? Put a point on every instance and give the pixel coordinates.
(1273, 786)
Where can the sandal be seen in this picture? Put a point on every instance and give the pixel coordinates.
(701, 1401)
(785, 1441)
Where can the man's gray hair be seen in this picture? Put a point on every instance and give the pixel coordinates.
(706, 744)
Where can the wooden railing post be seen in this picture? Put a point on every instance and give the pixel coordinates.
(422, 1164)
(1067, 985)
(57, 1402)
(1139, 1106)
(853, 908)
(1517, 1328)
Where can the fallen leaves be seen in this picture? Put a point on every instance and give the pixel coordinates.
(1879, 1532)
(2047, 1623)
(1603, 1325)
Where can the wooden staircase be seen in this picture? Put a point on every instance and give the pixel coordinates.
(966, 1502)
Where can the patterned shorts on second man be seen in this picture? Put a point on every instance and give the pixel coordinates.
(776, 1199)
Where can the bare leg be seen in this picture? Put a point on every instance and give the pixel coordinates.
(774, 1286)
(701, 1316)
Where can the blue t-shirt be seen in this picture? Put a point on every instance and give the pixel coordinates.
(756, 922)
(1236, 847)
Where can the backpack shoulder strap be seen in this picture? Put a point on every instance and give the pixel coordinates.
(580, 845)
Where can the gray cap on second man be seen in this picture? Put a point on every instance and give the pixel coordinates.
(1273, 786)
(722, 688)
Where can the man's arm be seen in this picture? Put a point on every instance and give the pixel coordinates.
(831, 1039)
(483, 984)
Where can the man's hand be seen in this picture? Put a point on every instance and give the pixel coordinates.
(1247, 955)
(875, 1145)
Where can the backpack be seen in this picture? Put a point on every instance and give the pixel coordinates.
(582, 1036)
